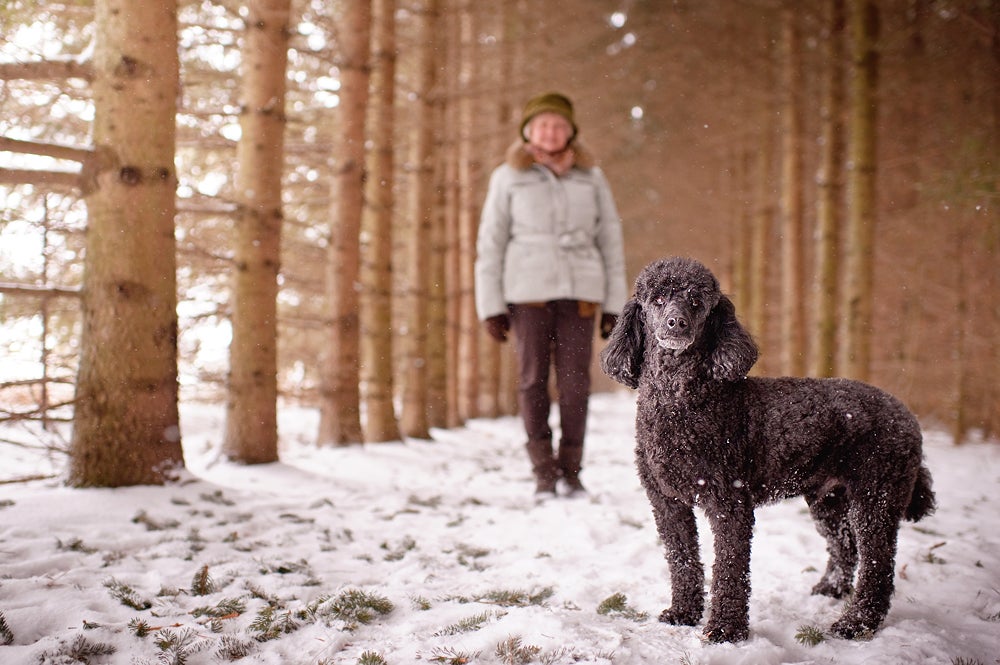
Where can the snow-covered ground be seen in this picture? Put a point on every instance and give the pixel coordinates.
(448, 533)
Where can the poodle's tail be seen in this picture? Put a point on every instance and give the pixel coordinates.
(922, 501)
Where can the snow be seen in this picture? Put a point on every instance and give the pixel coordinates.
(439, 528)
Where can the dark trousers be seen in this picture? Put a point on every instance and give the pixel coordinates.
(563, 331)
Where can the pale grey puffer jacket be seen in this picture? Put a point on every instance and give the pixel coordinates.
(542, 237)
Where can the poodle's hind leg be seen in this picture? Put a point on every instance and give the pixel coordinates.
(876, 530)
(732, 528)
(678, 530)
(829, 511)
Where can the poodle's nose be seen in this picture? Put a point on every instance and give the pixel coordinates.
(677, 323)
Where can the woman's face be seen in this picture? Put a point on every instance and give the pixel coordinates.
(549, 131)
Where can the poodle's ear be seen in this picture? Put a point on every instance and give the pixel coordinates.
(732, 352)
(621, 359)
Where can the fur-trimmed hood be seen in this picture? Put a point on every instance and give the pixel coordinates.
(519, 158)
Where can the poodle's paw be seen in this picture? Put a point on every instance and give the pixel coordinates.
(854, 628)
(677, 617)
(721, 632)
(832, 589)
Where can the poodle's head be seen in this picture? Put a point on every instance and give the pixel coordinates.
(676, 296)
(679, 310)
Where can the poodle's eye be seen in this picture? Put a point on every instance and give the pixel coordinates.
(660, 300)
(695, 304)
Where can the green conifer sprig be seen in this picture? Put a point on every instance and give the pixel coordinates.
(74, 545)
(126, 595)
(142, 517)
(176, 646)
(469, 624)
(467, 555)
(286, 568)
(6, 634)
(810, 636)
(227, 607)
(216, 497)
(202, 583)
(312, 611)
(80, 650)
(371, 658)
(261, 594)
(232, 648)
(355, 606)
(617, 603)
(513, 652)
(399, 551)
(516, 597)
(139, 627)
(272, 623)
(450, 656)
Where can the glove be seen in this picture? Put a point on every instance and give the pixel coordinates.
(497, 327)
(608, 322)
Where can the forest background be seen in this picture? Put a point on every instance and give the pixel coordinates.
(275, 201)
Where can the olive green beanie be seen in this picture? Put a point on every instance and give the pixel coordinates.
(551, 102)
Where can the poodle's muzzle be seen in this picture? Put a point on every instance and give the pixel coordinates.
(672, 326)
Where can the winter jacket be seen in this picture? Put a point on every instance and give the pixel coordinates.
(542, 237)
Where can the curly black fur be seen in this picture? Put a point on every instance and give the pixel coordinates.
(709, 436)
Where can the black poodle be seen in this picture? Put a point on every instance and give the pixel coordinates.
(709, 436)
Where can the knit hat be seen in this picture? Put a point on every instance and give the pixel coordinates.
(551, 102)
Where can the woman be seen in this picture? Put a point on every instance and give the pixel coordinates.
(549, 257)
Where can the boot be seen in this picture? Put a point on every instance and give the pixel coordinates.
(543, 465)
(570, 459)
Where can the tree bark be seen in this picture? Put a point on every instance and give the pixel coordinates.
(792, 250)
(861, 174)
(452, 203)
(469, 332)
(494, 77)
(340, 412)
(376, 340)
(126, 425)
(420, 232)
(760, 235)
(251, 411)
(829, 201)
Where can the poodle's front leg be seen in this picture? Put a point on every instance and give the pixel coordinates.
(679, 532)
(732, 528)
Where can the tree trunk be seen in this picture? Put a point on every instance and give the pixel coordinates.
(829, 201)
(760, 236)
(416, 354)
(494, 76)
(792, 259)
(251, 410)
(375, 343)
(340, 412)
(861, 172)
(452, 203)
(440, 408)
(470, 332)
(512, 60)
(992, 426)
(126, 425)
(743, 237)
(960, 424)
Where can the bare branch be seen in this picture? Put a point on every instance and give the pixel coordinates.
(45, 291)
(38, 177)
(28, 479)
(45, 149)
(37, 70)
